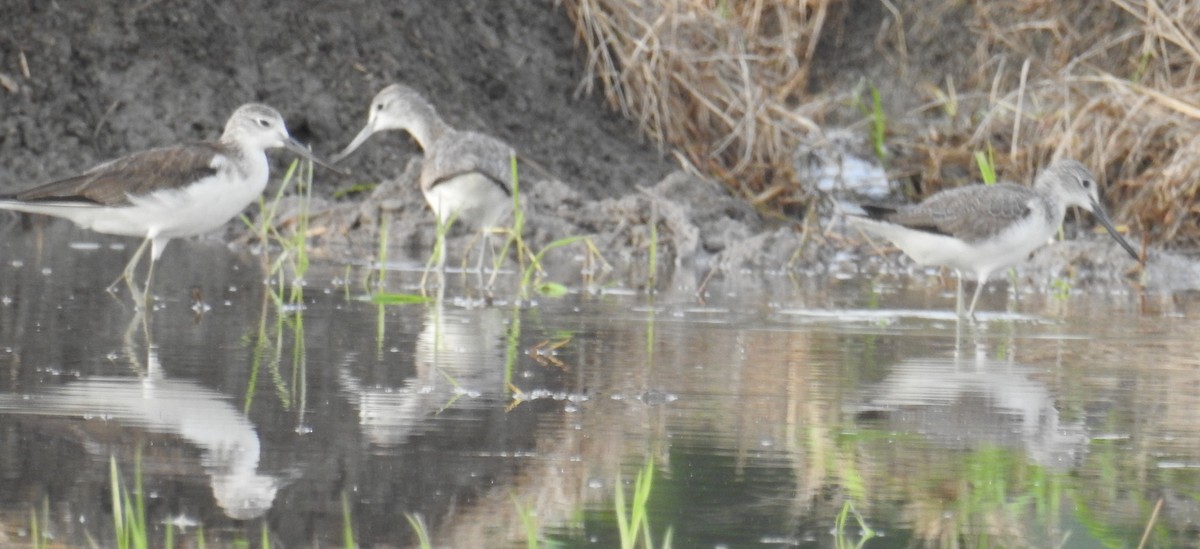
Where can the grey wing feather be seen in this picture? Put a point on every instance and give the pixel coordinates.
(970, 213)
(111, 183)
(457, 153)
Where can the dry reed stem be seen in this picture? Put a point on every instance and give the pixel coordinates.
(718, 81)
(1113, 83)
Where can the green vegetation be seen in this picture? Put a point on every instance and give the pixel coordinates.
(357, 188)
(841, 539)
(652, 275)
(294, 245)
(878, 125)
(347, 524)
(418, 525)
(129, 511)
(987, 165)
(38, 538)
(634, 524)
(1061, 289)
(533, 535)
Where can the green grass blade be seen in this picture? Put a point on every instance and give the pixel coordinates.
(386, 298)
(418, 525)
(347, 523)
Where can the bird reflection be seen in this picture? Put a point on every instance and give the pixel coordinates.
(459, 354)
(975, 401)
(227, 441)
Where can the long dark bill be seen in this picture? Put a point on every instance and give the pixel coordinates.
(296, 147)
(355, 143)
(1102, 216)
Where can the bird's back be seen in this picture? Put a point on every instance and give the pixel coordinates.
(971, 213)
(142, 173)
(460, 152)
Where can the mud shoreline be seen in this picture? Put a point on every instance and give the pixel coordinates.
(109, 78)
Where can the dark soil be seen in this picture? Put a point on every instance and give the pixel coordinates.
(107, 78)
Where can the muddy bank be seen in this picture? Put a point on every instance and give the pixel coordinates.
(81, 84)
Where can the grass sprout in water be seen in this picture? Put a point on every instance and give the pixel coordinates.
(533, 273)
(637, 522)
(294, 246)
(38, 538)
(841, 539)
(347, 524)
(418, 525)
(129, 511)
(533, 537)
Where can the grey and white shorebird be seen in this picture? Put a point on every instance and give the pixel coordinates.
(982, 228)
(465, 177)
(168, 192)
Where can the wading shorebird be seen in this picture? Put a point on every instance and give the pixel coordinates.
(169, 192)
(982, 228)
(466, 176)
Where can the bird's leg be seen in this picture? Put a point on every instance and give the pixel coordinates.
(978, 290)
(149, 277)
(131, 267)
(482, 234)
(157, 245)
(471, 246)
(496, 261)
(958, 295)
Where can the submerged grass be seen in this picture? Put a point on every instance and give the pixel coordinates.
(38, 538)
(418, 525)
(129, 510)
(533, 531)
(843, 540)
(635, 526)
(347, 523)
(294, 244)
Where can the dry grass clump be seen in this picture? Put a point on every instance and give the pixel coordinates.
(723, 82)
(1111, 82)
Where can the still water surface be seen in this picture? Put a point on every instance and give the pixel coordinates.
(765, 413)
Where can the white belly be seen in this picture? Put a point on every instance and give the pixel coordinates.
(981, 258)
(198, 208)
(470, 198)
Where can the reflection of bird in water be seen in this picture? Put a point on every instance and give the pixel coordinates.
(228, 443)
(459, 357)
(976, 403)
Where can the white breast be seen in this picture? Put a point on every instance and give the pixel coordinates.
(202, 206)
(470, 198)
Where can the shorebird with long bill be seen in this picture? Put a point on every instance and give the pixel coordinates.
(168, 192)
(982, 228)
(466, 176)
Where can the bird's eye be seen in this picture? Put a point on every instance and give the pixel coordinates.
(264, 122)
(1089, 184)
(379, 106)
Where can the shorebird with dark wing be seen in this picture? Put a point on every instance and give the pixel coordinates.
(169, 192)
(982, 228)
(466, 176)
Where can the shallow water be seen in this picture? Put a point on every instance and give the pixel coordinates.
(764, 412)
